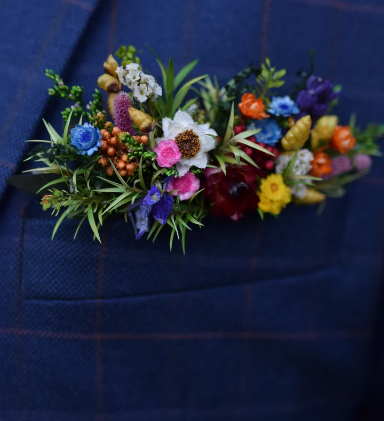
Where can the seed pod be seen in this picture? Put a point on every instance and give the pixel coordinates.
(110, 171)
(110, 66)
(131, 167)
(123, 173)
(311, 197)
(323, 130)
(111, 104)
(113, 141)
(109, 83)
(298, 134)
(115, 131)
(143, 121)
(120, 165)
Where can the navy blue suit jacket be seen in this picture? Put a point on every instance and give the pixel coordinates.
(273, 320)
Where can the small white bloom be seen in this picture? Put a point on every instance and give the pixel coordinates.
(302, 164)
(148, 79)
(300, 190)
(201, 140)
(141, 92)
(192, 109)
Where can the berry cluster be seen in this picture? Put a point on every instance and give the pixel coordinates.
(113, 148)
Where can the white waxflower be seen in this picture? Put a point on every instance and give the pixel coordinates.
(141, 92)
(300, 190)
(130, 74)
(194, 140)
(302, 164)
(148, 79)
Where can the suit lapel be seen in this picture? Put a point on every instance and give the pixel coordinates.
(48, 41)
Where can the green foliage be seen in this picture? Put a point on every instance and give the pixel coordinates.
(366, 139)
(229, 151)
(268, 79)
(173, 95)
(128, 55)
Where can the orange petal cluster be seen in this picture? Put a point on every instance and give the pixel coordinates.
(321, 164)
(343, 139)
(251, 107)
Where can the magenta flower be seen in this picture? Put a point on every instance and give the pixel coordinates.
(167, 153)
(341, 164)
(122, 118)
(185, 186)
(362, 161)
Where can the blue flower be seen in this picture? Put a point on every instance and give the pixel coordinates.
(86, 138)
(156, 204)
(283, 106)
(270, 132)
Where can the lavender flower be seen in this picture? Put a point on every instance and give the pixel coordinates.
(316, 98)
(362, 161)
(121, 116)
(340, 164)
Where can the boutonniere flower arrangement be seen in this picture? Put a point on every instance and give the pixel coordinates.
(159, 156)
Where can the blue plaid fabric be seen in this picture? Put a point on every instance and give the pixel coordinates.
(274, 320)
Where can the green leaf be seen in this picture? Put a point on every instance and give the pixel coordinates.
(111, 182)
(287, 171)
(157, 232)
(78, 227)
(193, 220)
(255, 146)
(171, 239)
(183, 92)
(248, 158)
(117, 173)
(154, 226)
(261, 213)
(229, 132)
(194, 195)
(162, 67)
(235, 151)
(182, 222)
(100, 216)
(63, 215)
(91, 220)
(184, 72)
(247, 133)
(111, 190)
(183, 234)
(51, 183)
(117, 201)
(55, 137)
(141, 179)
(173, 225)
(280, 74)
(221, 163)
(65, 134)
(188, 104)
(170, 78)
(42, 141)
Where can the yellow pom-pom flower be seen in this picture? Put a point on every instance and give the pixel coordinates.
(274, 194)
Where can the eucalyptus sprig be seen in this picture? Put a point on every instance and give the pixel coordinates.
(268, 79)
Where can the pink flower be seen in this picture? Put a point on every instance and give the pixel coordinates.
(362, 161)
(186, 186)
(167, 153)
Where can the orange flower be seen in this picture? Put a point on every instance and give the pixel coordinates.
(251, 107)
(342, 139)
(321, 164)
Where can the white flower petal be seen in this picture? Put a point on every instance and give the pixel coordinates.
(182, 168)
(183, 118)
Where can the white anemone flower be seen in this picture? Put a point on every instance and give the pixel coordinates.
(194, 140)
(141, 92)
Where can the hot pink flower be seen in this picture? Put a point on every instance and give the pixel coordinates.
(167, 153)
(186, 186)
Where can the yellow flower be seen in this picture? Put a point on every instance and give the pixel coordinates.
(274, 194)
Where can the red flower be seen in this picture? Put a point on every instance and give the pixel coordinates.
(231, 194)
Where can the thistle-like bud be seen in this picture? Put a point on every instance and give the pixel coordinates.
(311, 197)
(298, 134)
(110, 66)
(323, 130)
(109, 83)
(143, 121)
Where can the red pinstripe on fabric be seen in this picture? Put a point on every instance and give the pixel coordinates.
(344, 6)
(7, 164)
(265, 28)
(22, 413)
(256, 336)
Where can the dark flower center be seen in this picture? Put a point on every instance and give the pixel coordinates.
(237, 188)
(188, 143)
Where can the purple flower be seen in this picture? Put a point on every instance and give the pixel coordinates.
(316, 98)
(362, 161)
(156, 204)
(340, 164)
(121, 116)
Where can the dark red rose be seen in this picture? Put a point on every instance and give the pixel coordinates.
(232, 193)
